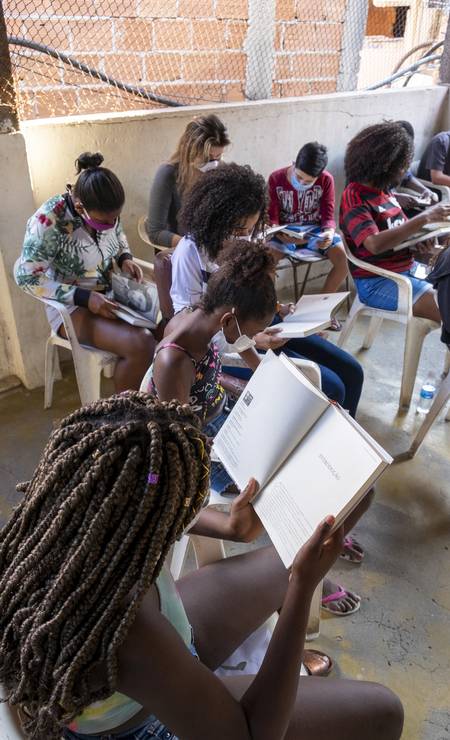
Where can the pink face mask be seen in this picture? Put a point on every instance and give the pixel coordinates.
(96, 225)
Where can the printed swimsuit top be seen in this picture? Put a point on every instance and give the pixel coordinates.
(207, 397)
(103, 716)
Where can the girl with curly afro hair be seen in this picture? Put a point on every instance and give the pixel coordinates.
(373, 223)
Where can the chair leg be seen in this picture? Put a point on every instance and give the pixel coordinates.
(439, 402)
(447, 363)
(180, 553)
(374, 327)
(416, 331)
(108, 370)
(88, 372)
(305, 279)
(207, 550)
(294, 266)
(348, 325)
(50, 366)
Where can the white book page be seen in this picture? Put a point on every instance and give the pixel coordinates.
(312, 313)
(277, 408)
(317, 307)
(325, 474)
(292, 329)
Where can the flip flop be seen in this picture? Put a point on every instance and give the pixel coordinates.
(317, 663)
(341, 593)
(352, 551)
(335, 325)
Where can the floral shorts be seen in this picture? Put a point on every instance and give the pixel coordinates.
(150, 728)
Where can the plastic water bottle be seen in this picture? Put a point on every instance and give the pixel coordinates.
(426, 396)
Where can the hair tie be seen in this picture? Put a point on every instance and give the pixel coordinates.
(153, 479)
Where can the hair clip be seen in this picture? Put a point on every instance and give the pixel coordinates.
(153, 479)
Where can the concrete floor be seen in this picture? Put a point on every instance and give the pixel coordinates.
(400, 637)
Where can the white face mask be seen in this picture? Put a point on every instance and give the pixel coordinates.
(211, 165)
(242, 343)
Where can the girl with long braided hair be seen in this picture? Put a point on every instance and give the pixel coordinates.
(95, 640)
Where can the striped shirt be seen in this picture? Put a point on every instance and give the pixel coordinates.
(364, 212)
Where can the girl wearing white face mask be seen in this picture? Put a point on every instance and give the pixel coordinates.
(199, 150)
(240, 301)
(303, 194)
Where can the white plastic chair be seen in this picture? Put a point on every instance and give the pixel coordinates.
(154, 248)
(89, 362)
(438, 404)
(416, 328)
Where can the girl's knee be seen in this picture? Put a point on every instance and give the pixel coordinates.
(388, 713)
(142, 343)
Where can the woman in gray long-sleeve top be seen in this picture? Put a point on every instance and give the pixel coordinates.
(199, 150)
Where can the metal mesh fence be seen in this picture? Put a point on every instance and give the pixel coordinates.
(114, 55)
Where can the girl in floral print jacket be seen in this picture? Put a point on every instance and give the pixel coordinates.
(69, 248)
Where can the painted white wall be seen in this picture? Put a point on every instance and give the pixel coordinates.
(266, 135)
(23, 327)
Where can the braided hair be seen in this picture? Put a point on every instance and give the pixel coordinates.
(118, 482)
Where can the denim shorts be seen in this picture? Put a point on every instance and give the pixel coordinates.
(150, 728)
(380, 292)
(313, 242)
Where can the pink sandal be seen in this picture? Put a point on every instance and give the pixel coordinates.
(352, 551)
(341, 593)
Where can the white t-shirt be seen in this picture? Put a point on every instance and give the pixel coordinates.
(191, 270)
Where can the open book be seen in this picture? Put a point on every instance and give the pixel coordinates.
(428, 231)
(139, 304)
(312, 314)
(297, 231)
(309, 456)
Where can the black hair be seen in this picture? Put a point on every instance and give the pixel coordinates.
(244, 280)
(378, 155)
(407, 126)
(312, 158)
(97, 188)
(218, 201)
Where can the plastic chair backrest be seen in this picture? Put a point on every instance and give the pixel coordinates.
(414, 167)
(163, 280)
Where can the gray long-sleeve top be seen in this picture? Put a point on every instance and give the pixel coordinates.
(165, 204)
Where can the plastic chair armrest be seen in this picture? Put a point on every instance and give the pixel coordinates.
(404, 285)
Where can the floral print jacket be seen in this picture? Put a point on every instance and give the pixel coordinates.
(60, 259)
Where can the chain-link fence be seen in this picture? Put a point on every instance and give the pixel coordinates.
(114, 55)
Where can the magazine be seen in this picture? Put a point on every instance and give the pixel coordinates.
(139, 304)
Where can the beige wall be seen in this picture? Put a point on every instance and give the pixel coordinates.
(22, 322)
(266, 135)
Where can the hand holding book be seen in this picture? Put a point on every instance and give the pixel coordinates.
(318, 554)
